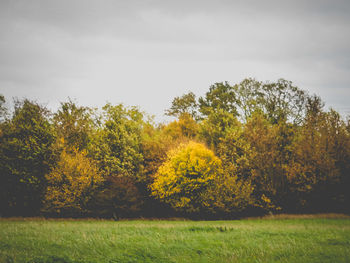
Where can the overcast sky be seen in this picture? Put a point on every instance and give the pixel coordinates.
(147, 52)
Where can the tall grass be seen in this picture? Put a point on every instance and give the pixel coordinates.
(258, 240)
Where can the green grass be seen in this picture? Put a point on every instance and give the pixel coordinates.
(254, 240)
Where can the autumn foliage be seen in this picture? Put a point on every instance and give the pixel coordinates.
(249, 148)
(71, 182)
(183, 179)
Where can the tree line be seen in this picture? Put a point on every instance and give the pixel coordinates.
(243, 149)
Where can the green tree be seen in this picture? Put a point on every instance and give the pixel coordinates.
(116, 144)
(25, 158)
(74, 124)
(283, 101)
(233, 191)
(266, 165)
(228, 195)
(250, 97)
(187, 103)
(277, 100)
(236, 153)
(216, 126)
(221, 96)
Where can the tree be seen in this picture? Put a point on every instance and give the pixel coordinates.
(277, 100)
(3, 109)
(184, 177)
(117, 148)
(71, 184)
(250, 97)
(283, 101)
(246, 170)
(74, 124)
(221, 96)
(25, 158)
(232, 192)
(216, 126)
(183, 128)
(119, 197)
(236, 153)
(319, 173)
(156, 142)
(228, 195)
(117, 143)
(3, 113)
(266, 167)
(185, 104)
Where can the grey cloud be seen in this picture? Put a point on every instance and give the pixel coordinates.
(102, 50)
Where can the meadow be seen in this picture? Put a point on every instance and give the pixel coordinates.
(276, 239)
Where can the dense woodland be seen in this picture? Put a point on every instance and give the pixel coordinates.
(244, 149)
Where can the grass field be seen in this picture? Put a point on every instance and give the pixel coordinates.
(251, 240)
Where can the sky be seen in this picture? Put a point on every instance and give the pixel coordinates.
(145, 53)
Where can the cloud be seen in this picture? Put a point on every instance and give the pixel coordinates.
(147, 52)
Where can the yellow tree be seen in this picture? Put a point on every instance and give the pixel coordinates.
(192, 179)
(71, 183)
(184, 128)
(185, 175)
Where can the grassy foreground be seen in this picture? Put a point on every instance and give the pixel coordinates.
(253, 240)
